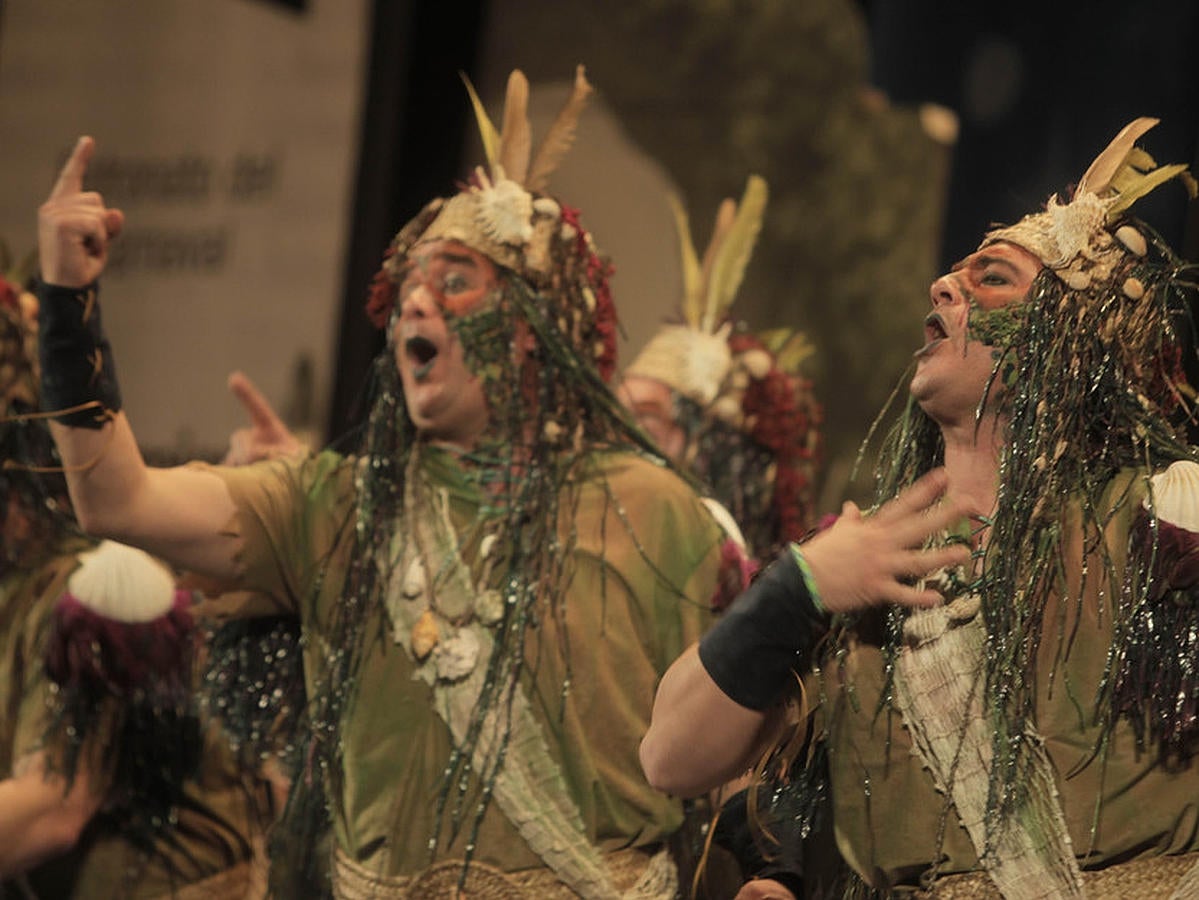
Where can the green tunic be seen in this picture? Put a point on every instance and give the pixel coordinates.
(891, 823)
(214, 828)
(644, 564)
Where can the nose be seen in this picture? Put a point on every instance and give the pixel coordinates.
(943, 291)
(419, 302)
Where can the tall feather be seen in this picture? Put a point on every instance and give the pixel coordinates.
(725, 216)
(1098, 176)
(693, 288)
(515, 139)
(561, 134)
(728, 267)
(490, 137)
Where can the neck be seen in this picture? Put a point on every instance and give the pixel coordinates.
(972, 462)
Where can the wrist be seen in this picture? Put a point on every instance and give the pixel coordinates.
(79, 383)
(767, 634)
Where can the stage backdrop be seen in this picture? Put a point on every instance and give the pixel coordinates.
(227, 131)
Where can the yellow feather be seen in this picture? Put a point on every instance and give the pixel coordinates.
(1138, 187)
(692, 286)
(728, 268)
(515, 139)
(790, 348)
(1099, 174)
(491, 138)
(725, 215)
(561, 134)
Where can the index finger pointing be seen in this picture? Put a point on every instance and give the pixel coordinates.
(70, 179)
(260, 411)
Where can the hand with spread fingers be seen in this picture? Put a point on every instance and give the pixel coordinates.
(75, 228)
(869, 560)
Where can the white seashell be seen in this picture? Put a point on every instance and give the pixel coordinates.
(1133, 289)
(1176, 495)
(589, 299)
(457, 656)
(568, 232)
(1132, 239)
(552, 431)
(490, 607)
(757, 362)
(425, 635)
(414, 580)
(546, 206)
(122, 583)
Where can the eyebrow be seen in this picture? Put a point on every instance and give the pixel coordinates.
(981, 262)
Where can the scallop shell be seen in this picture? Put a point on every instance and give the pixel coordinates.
(425, 635)
(1133, 289)
(122, 583)
(457, 656)
(490, 608)
(1176, 495)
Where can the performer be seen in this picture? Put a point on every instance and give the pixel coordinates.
(1033, 734)
(108, 786)
(489, 592)
(728, 405)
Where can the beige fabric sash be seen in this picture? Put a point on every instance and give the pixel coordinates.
(636, 873)
(938, 689)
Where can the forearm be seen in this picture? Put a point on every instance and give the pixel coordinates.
(39, 818)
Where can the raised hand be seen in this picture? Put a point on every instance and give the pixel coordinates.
(266, 437)
(75, 228)
(868, 560)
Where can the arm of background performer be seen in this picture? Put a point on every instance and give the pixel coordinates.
(39, 817)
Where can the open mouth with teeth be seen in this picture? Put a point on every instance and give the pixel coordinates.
(422, 353)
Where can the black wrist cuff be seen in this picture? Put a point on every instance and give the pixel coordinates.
(77, 365)
(767, 633)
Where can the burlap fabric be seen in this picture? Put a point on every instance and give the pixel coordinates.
(1155, 878)
(636, 873)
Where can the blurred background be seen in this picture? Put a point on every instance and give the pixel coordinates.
(265, 152)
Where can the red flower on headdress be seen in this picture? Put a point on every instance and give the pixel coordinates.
(381, 299)
(9, 295)
(597, 271)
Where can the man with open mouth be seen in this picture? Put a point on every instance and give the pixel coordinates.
(489, 589)
(1025, 724)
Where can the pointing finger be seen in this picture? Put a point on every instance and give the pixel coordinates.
(70, 179)
(261, 413)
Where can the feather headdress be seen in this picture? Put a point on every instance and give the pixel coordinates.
(1074, 239)
(693, 358)
(504, 215)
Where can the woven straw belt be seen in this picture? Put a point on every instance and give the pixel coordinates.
(233, 882)
(1152, 878)
(352, 881)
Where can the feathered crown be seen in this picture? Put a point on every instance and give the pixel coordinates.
(693, 358)
(503, 214)
(1073, 239)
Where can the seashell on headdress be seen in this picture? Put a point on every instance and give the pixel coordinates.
(1074, 239)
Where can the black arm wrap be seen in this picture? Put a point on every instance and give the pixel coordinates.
(734, 833)
(767, 633)
(77, 365)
